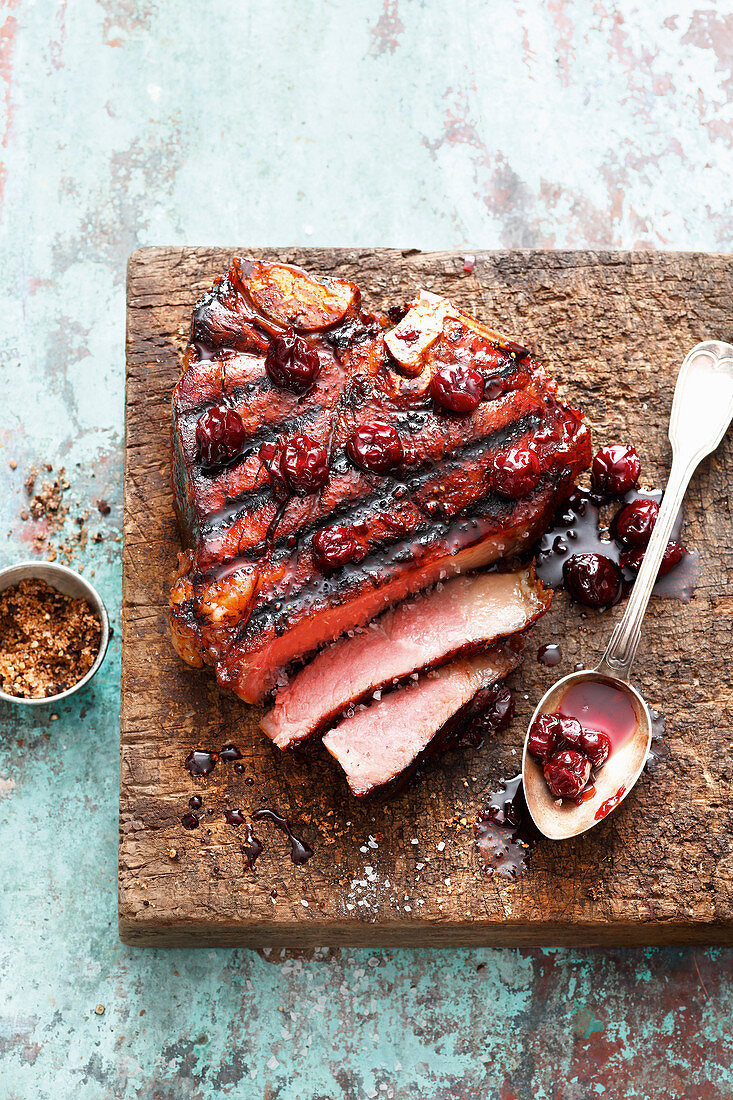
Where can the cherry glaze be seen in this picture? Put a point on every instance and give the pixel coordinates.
(516, 472)
(610, 804)
(596, 746)
(230, 752)
(291, 362)
(376, 447)
(601, 707)
(190, 821)
(577, 529)
(659, 749)
(551, 732)
(457, 388)
(616, 469)
(220, 436)
(195, 802)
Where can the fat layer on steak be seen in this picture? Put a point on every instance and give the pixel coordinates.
(385, 741)
(249, 599)
(463, 615)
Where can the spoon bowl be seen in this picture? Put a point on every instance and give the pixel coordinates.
(612, 782)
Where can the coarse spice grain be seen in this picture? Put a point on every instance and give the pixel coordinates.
(48, 641)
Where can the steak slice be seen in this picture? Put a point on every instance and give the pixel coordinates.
(382, 744)
(251, 597)
(461, 616)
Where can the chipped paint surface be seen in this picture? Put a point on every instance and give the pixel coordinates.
(409, 122)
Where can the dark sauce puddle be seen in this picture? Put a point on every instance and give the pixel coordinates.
(578, 529)
(505, 834)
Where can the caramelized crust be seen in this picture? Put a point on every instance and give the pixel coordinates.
(250, 599)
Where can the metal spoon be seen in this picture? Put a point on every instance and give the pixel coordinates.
(701, 412)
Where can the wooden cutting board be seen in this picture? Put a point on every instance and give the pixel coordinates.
(613, 328)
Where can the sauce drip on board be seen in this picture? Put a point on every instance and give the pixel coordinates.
(504, 832)
(549, 654)
(200, 762)
(300, 852)
(251, 849)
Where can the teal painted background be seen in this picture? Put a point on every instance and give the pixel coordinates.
(403, 122)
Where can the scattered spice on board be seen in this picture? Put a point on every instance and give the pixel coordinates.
(48, 641)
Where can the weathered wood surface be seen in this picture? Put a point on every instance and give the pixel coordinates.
(613, 327)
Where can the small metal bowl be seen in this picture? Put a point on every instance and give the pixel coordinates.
(69, 583)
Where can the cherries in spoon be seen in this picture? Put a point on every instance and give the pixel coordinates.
(602, 699)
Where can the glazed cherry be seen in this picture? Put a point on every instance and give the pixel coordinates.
(516, 472)
(635, 522)
(291, 362)
(596, 746)
(592, 579)
(566, 773)
(333, 547)
(376, 447)
(673, 554)
(457, 387)
(543, 736)
(220, 436)
(551, 732)
(304, 464)
(616, 469)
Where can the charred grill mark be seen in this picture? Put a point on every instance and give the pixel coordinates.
(383, 497)
(265, 433)
(491, 513)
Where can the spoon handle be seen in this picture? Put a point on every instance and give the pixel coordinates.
(701, 413)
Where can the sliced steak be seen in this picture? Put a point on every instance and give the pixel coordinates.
(254, 593)
(384, 742)
(463, 615)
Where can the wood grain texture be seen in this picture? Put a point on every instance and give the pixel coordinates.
(613, 328)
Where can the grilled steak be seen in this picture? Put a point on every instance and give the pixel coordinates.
(327, 464)
(383, 743)
(465, 614)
